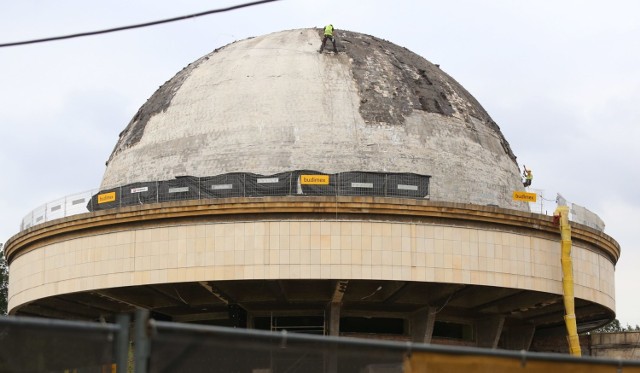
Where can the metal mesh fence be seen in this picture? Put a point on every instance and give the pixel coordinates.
(46, 345)
(190, 348)
(41, 345)
(298, 183)
(178, 347)
(239, 184)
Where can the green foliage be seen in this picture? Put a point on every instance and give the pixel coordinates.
(615, 327)
(612, 327)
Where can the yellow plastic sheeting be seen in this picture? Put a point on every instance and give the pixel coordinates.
(562, 212)
(433, 362)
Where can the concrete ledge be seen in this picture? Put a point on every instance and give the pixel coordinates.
(341, 207)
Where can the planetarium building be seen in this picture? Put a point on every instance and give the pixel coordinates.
(364, 193)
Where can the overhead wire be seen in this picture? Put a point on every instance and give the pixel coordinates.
(548, 200)
(139, 25)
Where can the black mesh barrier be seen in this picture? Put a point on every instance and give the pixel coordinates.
(223, 186)
(407, 185)
(139, 193)
(267, 185)
(240, 184)
(361, 184)
(314, 183)
(185, 348)
(105, 199)
(38, 345)
(179, 189)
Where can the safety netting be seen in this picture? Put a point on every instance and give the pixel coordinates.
(245, 184)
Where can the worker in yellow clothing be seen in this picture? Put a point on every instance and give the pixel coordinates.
(528, 177)
(328, 34)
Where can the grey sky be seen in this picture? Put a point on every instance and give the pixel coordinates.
(560, 78)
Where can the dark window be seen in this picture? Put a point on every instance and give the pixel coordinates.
(377, 325)
(445, 329)
(295, 324)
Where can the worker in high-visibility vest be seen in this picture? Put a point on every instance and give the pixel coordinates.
(328, 34)
(528, 177)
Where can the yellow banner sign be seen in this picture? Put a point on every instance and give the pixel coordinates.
(107, 197)
(314, 179)
(524, 196)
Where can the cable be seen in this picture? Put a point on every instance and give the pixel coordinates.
(140, 25)
(548, 200)
(370, 295)
(445, 303)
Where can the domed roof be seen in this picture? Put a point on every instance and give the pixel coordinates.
(272, 104)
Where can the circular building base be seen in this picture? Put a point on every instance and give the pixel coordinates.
(362, 266)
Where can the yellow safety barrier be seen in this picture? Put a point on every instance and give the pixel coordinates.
(434, 362)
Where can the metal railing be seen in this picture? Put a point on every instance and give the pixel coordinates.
(60, 208)
(45, 345)
(240, 184)
(294, 183)
(200, 348)
(578, 214)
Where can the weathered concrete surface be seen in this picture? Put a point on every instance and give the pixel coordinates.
(273, 103)
(158, 103)
(620, 345)
(623, 345)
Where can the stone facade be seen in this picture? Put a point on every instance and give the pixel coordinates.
(428, 272)
(306, 249)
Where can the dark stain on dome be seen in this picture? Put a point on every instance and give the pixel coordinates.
(157, 103)
(393, 82)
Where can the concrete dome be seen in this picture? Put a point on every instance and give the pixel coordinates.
(272, 104)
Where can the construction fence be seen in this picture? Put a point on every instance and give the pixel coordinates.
(243, 184)
(238, 184)
(294, 183)
(47, 345)
(41, 345)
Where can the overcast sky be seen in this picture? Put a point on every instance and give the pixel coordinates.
(561, 79)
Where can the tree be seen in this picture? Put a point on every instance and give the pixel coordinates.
(612, 327)
(4, 282)
(615, 327)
